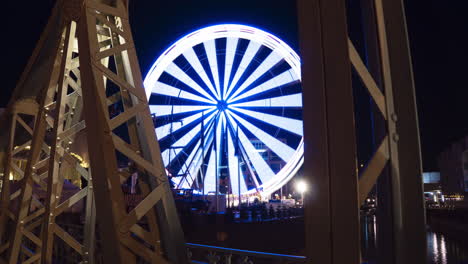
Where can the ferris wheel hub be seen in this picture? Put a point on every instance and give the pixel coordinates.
(222, 105)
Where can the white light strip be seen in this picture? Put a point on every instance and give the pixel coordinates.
(279, 80)
(182, 142)
(176, 151)
(294, 100)
(179, 74)
(186, 168)
(165, 130)
(210, 48)
(162, 110)
(167, 155)
(248, 56)
(198, 159)
(264, 171)
(176, 180)
(265, 66)
(167, 90)
(219, 135)
(231, 46)
(284, 151)
(210, 177)
(195, 63)
(234, 171)
(292, 125)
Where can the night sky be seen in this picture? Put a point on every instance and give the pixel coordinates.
(437, 30)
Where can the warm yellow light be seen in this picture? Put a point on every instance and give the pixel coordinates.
(83, 163)
(28, 147)
(11, 176)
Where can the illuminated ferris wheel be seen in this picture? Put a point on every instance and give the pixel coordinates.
(228, 106)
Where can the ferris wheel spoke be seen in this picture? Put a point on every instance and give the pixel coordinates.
(252, 49)
(174, 126)
(283, 79)
(231, 45)
(210, 176)
(262, 168)
(172, 141)
(272, 60)
(170, 80)
(182, 140)
(163, 110)
(278, 69)
(287, 89)
(210, 48)
(289, 112)
(294, 100)
(289, 124)
(182, 163)
(192, 58)
(218, 145)
(195, 161)
(167, 90)
(168, 100)
(281, 149)
(235, 176)
(182, 143)
(188, 168)
(179, 74)
(181, 119)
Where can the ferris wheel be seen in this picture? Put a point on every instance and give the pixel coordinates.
(228, 106)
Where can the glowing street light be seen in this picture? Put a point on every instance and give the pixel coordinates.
(301, 186)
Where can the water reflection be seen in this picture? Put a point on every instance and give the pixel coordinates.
(441, 249)
(444, 250)
(369, 238)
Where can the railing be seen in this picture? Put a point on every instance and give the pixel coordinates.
(204, 254)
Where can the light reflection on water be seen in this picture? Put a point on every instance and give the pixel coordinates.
(444, 250)
(440, 248)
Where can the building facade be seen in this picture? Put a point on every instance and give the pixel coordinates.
(453, 165)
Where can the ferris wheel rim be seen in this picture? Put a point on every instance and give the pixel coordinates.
(216, 31)
(245, 32)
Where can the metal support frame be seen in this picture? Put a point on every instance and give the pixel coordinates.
(92, 66)
(330, 157)
(18, 143)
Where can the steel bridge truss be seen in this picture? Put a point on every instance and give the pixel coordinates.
(338, 186)
(92, 95)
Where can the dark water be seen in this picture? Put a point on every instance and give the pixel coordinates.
(441, 248)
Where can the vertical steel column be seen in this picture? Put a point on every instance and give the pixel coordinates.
(384, 216)
(110, 203)
(121, 228)
(5, 195)
(55, 179)
(409, 214)
(332, 212)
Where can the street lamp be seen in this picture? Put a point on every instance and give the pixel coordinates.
(301, 186)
